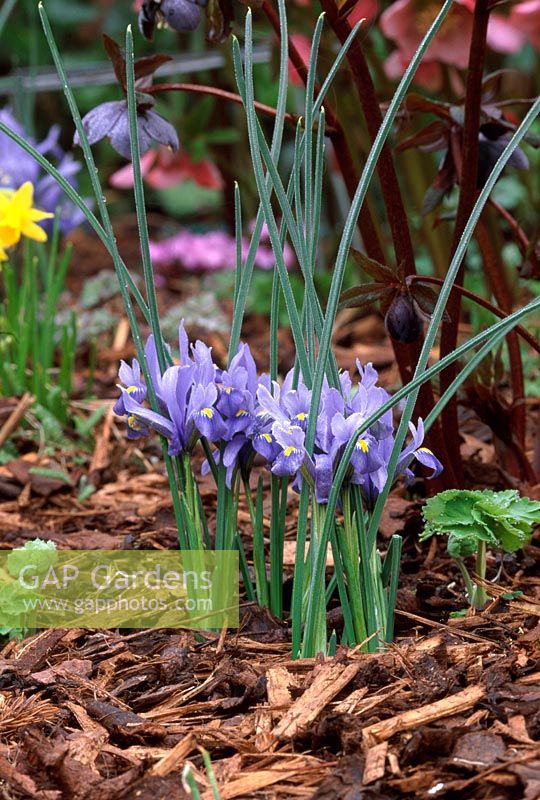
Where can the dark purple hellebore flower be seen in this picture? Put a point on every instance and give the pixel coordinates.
(180, 15)
(111, 119)
(402, 321)
(490, 147)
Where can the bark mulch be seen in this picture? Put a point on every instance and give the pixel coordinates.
(105, 714)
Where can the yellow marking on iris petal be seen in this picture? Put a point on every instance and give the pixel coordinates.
(287, 452)
(362, 445)
(228, 389)
(241, 412)
(425, 450)
(301, 416)
(133, 424)
(131, 389)
(266, 436)
(208, 412)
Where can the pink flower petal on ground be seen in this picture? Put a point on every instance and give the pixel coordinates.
(210, 251)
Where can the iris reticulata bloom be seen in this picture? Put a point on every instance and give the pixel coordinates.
(243, 414)
(17, 168)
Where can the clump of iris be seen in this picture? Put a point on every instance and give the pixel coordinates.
(243, 414)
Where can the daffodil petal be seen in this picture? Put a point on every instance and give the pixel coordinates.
(33, 231)
(35, 215)
(25, 194)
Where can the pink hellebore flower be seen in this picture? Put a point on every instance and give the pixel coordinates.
(163, 169)
(525, 17)
(364, 9)
(406, 21)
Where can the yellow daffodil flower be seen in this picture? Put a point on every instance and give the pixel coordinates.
(18, 217)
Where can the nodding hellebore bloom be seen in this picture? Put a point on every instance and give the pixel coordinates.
(180, 15)
(111, 120)
(243, 414)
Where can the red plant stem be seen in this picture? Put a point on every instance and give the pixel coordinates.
(467, 197)
(406, 355)
(494, 271)
(519, 233)
(519, 329)
(222, 94)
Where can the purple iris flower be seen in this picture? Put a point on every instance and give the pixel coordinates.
(285, 404)
(368, 398)
(242, 414)
(265, 442)
(340, 414)
(203, 415)
(291, 440)
(415, 450)
(131, 378)
(18, 167)
(186, 393)
(111, 120)
(236, 404)
(366, 457)
(296, 403)
(189, 406)
(332, 403)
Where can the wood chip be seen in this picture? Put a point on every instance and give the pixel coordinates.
(329, 679)
(251, 782)
(175, 758)
(278, 681)
(375, 763)
(455, 704)
(348, 706)
(15, 417)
